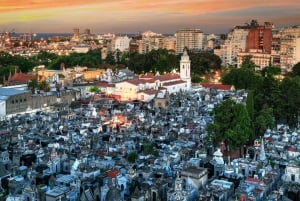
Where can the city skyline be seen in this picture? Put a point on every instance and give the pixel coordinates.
(130, 16)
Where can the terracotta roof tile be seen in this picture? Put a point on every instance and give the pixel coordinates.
(105, 84)
(21, 78)
(174, 83)
(165, 77)
(217, 86)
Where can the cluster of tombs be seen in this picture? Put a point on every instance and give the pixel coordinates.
(107, 150)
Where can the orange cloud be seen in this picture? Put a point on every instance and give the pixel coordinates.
(139, 13)
(193, 6)
(204, 6)
(21, 5)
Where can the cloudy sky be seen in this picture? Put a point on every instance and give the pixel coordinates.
(132, 16)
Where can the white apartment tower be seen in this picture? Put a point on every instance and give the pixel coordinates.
(289, 47)
(193, 39)
(235, 43)
(121, 43)
(185, 69)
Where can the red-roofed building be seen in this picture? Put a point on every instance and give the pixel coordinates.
(147, 86)
(18, 78)
(252, 180)
(218, 86)
(112, 173)
(293, 152)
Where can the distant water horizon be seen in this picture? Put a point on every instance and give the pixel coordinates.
(39, 36)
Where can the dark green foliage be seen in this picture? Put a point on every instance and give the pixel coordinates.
(32, 85)
(271, 71)
(149, 148)
(9, 63)
(132, 157)
(248, 63)
(296, 69)
(264, 120)
(241, 78)
(203, 63)
(92, 59)
(162, 60)
(250, 104)
(267, 95)
(43, 85)
(290, 100)
(232, 124)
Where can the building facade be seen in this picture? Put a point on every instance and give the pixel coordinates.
(289, 47)
(260, 38)
(193, 39)
(235, 43)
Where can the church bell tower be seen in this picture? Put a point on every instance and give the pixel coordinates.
(185, 69)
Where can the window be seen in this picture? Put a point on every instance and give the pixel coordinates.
(12, 101)
(292, 177)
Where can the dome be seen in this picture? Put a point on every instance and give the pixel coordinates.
(218, 157)
(218, 153)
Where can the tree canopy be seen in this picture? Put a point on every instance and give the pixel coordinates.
(232, 124)
(296, 69)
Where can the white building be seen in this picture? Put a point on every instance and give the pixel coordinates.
(259, 58)
(235, 43)
(185, 69)
(146, 87)
(193, 39)
(289, 47)
(291, 174)
(120, 43)
(82, 48)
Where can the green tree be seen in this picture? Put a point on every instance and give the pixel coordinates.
(94, 89)
(203, 63)
(250, 104)
(132, 157)
(110, 59)
(271, 71)
(241, 78)
(248, 63)
(268, 95)
(232, 124)
(264, 120)
(290, 100)
(32, 85)
(44, 85)
(296, 69)
(196, 78)
(149, 148)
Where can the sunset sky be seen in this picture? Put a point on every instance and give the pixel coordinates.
(132, 16)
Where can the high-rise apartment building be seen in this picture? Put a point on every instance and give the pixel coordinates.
(260, 38)
(258, 45)
(149, 41)
(75, 34)
(289, 47)
(120, 43)
(193, 39)
(234, 43)
(169, 43)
